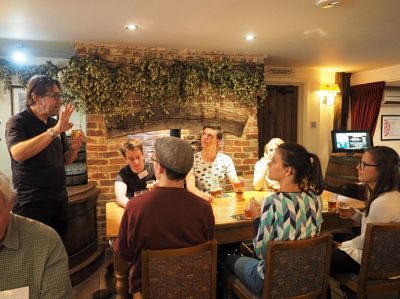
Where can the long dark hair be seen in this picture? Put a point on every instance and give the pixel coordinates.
(387, 163)
(307, 167)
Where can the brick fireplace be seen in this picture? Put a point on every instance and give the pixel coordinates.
(103, 141)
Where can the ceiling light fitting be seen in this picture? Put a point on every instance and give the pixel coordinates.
(19, 55)
(131, 27)
(327, 3)
(250, 37)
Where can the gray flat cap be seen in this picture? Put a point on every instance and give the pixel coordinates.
(174, 153)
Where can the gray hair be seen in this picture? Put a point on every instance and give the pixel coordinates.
(6, 189)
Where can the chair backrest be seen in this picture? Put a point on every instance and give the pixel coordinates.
(381, 251)
(298, 268)
(180, 273)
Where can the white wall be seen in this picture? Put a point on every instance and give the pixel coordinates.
(5, 114)
(388, 74)
(387, 110)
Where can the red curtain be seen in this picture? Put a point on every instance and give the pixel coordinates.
(366, 102)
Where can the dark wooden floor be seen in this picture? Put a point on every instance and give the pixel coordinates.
(96, 285)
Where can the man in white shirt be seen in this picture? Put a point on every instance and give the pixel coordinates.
(209, 165)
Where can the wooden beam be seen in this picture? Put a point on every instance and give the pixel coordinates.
(189, 117)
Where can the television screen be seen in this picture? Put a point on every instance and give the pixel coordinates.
(350, 141)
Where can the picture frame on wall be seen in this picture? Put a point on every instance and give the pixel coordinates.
(17, 99)
(390, 127)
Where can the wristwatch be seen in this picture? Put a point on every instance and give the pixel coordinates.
(52, 132)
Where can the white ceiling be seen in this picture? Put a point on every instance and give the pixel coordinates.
(354, 36)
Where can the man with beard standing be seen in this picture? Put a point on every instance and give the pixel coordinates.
(39, 150)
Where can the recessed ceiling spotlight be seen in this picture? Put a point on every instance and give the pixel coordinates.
(250, 37)
(131, 27)
(327, 3)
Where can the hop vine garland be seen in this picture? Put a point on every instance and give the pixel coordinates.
(95, 85)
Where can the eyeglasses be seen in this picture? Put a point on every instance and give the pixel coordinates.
(56, 96)
(362, 165)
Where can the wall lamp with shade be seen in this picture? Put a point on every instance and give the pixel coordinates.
(328, 93)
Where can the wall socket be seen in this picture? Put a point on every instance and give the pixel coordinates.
(313, 124)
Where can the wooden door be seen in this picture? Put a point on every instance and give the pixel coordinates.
(277, 117)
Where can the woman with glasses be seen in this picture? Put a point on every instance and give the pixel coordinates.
(378, 169)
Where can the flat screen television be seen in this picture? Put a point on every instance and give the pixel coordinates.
(350, 141)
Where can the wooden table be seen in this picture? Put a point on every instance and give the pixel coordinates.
(228, 229)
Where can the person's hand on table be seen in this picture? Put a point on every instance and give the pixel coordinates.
(255, 208)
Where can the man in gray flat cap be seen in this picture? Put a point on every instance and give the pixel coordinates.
(169, 216)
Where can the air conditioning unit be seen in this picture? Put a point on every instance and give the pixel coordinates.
(391, 96)
(280, 72)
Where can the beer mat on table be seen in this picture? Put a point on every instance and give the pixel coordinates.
(240, 217)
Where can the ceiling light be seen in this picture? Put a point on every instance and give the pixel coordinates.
(19, 55)
(131, 27)
(250, 37)
(327, 3)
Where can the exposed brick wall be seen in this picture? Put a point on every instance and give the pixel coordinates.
(104, 159)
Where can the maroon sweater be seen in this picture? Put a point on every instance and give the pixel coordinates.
(160, 219)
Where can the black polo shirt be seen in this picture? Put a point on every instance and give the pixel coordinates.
(132, 180)
(41, 177)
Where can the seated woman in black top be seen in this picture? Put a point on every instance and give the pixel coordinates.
(133, 176)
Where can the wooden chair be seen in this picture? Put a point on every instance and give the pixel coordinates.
(294, 269)
(380, 261)
(180, 273)
(121, 275)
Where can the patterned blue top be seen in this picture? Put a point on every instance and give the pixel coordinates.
(287, 216)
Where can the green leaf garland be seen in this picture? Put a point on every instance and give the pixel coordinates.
(96, 85)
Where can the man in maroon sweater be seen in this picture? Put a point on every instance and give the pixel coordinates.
(169, 216)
